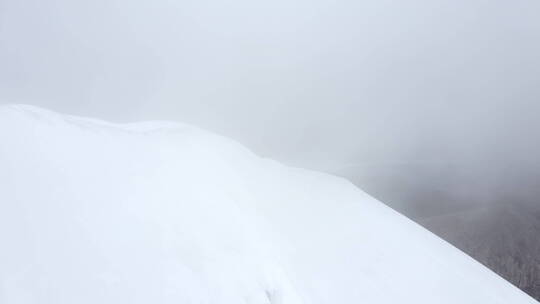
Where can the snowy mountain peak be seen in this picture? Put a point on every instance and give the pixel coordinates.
(159, 212)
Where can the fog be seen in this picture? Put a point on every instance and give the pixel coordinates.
(445, 92)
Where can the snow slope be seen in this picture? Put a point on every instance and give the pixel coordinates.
(94, 212)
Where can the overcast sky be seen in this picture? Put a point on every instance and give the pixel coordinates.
(320, 83)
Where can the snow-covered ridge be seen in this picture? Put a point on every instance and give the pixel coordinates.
(159, 212)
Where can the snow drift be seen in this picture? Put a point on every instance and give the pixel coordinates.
(94, 212)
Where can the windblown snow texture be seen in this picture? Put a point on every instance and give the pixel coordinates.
(94, 212)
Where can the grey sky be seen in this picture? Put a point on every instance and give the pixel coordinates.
(321, 83)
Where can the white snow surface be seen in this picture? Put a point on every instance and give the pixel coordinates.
(159, 212)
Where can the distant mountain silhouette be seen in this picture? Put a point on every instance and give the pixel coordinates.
(495, 218)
